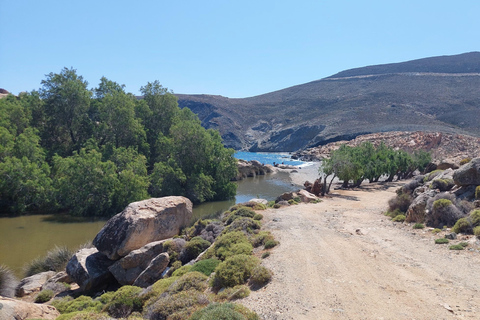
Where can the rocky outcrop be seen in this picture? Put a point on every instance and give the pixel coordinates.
(89, 269)
(306, 196)
(141, 223)
(33, 283)
(468, 174)
(153, 271)
(11, 309)
(251, 169)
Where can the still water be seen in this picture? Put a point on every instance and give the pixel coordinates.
(25, 238)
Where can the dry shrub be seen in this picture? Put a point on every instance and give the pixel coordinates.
(8, 282)
(400, 202)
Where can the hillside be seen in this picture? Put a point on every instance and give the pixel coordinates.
(438, 94)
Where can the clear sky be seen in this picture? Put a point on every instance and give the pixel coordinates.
(230, 48)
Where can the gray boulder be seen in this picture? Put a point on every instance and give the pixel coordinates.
(417, 210)
(33, 283)
(468, 174)
(153, 272)
(89, 269)
(143, 222)
(127, 269)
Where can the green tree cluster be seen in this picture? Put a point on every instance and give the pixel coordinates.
(91, 152)
(353, 165)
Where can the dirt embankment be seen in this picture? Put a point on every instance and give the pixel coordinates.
(343, 259)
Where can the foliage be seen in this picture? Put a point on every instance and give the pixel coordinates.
(124, 301)
(241, 212)
(270, 244)
(235, 270)
(266, 254)
(55, 260)
(260, 238)
(476, 231)
(260, 276)
(247, 225)
(441, 241)
(462, 226)
(8, 282)
(418, 226)
(229, 294)
(206, 266)
(442, 184)
(477, 193)
(444, 212)
(436, 230)
(182, 270)
(224, 311)
(84, 315)
(82, 303)
(176, 306)
(465, 161)
(456, 247)
(399, 218)
(191, 280)
(193, 248)
(232, 243)
(400, 202)
(44, 296)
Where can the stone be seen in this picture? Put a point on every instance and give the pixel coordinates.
(251, 169)
(57, 282)
(11, 309)
(317, 187)
(446, 164)
(286, 196)
(143, 222)
(308, 186)
(33, 283)
(128, 268)
(89, 269)
(153, 272)
(261, 201)
(416, 211)
(468, 174)
(306, 196)
(451, 236)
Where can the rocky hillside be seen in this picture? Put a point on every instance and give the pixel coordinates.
(438, 94)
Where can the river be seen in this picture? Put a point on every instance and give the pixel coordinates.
(25, 238)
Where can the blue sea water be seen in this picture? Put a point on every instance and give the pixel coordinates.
(268, 157)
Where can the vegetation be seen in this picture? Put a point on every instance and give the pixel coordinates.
(260, 276)
(8, 282)
(224, 311)
(44, 296)
(237, 292)
(91, 152)
(418, 226)
(356, 164)
(456, 247)
(399, 218)
(441, 241)
(206, 266)
(477, 193)
(235, 270)
(55, 260)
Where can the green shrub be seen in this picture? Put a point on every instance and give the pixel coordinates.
(297, 199)
(242, 212)
(224, 311)
(8, 282)
(436, 230)
(394, 213)
(229, 294)
(182, 270)
(247, 225)
(456, 247)
(55, 260)
(82, 303)
(430, 176)
(400, 202)
(255, 205)
(260, 276)
(271, 204)
(441, 203)
(192, 280)
(176, 306)
(157, 289)
(441, 241)
(444, 212)
(260, 238)
(399, 218)
(193, 248)
(475, 217)
(418, 226)
(124, 301)
(206, 266)
(464, 244)
(477, 193)
(442, 184)
(172, 249)
(462, 226)
(265, 254)
(277, 206)
(84, 315)
(235, 270)
(292, 202)
(270, 244)
(465, 161)
(258, 216)
(232, 243)
(44, 296)
(476, 231)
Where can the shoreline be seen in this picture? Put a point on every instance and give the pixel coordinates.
(304, 173)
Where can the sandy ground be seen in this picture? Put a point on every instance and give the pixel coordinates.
(343, 259)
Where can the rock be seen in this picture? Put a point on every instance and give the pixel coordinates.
(308, 186)
(416, 211)
(468, 174)
(286, 196)
(465, 192)
(410, 187)
(143, 222)
(317, 187)
(251, 169)
(446, 164)
(11, 309)
(451, 236)
(306, 196)
(89, 269)
(153, 271)
(127, 269)
(476, 203)
(442, 184)
(33, 283)
(256, 200)
(57, 282)
(283, 203)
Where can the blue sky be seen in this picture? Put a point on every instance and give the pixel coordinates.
(230, 48)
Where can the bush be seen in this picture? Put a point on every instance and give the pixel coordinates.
(193, 248)
(442, 184)
(8, 282)
(176, 306)
(44, 296)
(255, 205)
(258, 216)
(271, 203)
(224, 311)
(463, 244)
(206, 266)
(265, 254)
(269, 244)
(260, 276)
(394, 213)
(182, 270)
(247, 225)
(456, 247)
(462, 226)
(174, 247)
(476, 231)
(260, 238)
(277, 206)
(242, 212)
(235, 270)
(82, 303)
(192, 280)
(477, 193)
(124, 301)
(444, 212)
(156, 290)
(232, 243)
(430, 176)
(399, 218)
(84, 315)
(292, 202)
(441, 241)
(229, 294)
(400, 202)
(436, 230)
(475, 217)
(55, 260)
(418, 226)
(465, 161)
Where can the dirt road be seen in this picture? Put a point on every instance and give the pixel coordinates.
(343, 259)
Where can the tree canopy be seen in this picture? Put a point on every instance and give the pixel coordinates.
(91, 152)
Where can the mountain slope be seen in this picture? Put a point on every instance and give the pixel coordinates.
(431, 94)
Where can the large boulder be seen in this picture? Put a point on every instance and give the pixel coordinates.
(153, 271)
(20, 310)
(33, 283)
(143, 222)
(317, 187)
(127, 269)
(468, 174)
(417, 210)
(89, 269)
(306, 196)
